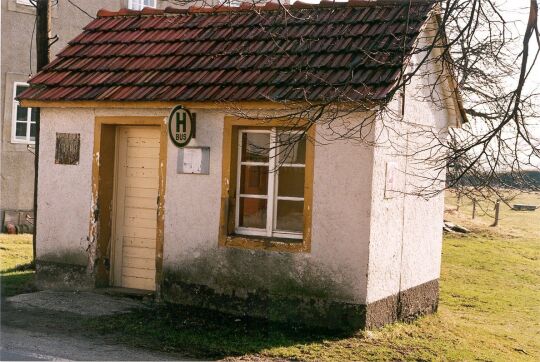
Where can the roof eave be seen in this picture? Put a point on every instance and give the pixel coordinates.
(457, 99)
(237, 105)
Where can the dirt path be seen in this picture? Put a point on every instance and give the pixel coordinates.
(59, 332)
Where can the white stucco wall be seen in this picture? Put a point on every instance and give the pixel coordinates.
(337, 263)
(406, 228)
(64, 193)
(336, 267)
(364, 246)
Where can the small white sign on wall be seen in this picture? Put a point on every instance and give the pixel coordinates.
(193, 160)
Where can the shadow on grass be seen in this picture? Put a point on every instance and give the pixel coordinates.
(202, 333)
(17, 280)
(19, 268)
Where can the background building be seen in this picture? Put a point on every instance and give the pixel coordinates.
(17, 64)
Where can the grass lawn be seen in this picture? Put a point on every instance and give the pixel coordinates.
(524, 224)
(489, 309)
(16, 272)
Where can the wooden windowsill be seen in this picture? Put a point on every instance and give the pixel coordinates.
(265, 243)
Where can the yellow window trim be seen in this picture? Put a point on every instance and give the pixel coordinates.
(228, 191)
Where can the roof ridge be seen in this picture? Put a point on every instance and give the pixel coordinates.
(250, 6)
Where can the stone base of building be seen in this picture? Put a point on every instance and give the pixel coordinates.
(407, 305)
(53, 275)
(291, 309)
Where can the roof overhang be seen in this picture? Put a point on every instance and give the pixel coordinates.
(229, 105)
(456, 107)
(154, 104)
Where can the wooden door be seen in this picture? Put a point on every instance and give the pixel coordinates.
(136, 193)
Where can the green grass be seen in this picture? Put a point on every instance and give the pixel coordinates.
(16, 269)
(489, 310)
(515, 223)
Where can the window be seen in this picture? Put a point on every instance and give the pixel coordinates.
(141, 4)
(270, 183)
(23, 126)
(231, 3)
(267, 185)
(24, 2)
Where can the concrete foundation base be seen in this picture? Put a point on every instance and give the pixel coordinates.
(59, 276)
(293, 309)
(407, 305)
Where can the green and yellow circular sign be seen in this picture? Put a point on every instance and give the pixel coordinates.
(181, 126)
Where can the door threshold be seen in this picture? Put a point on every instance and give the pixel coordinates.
(128, 292)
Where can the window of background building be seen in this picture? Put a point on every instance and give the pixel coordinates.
(23, 126)
(141, 4)
(24, 2)
(231, 3)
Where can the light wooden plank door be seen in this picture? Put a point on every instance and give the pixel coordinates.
(137, 184)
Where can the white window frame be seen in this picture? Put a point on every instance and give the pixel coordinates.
(231, 3)
(24, 2)
(139, 4)
(29, 122)
(271, 197)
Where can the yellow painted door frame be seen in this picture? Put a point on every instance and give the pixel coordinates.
(163, 140)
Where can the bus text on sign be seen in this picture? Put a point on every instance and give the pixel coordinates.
(181, 126)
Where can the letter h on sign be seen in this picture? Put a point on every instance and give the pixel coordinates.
(180, 122)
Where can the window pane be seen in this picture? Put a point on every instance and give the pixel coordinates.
(32, 131)
(290, 216)
(33, 115)
(252, 213)
(140, 4)
(255, 147)
(22, 114)
(292, 148)
(20, 89)
(254, 180)
(291, 181)
(20, 130)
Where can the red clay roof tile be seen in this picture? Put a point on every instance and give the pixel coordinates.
(352, 49)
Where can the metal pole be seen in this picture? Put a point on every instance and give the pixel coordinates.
(473, 208)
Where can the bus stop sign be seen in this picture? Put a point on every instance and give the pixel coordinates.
(181, 126)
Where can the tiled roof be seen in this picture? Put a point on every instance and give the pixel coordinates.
(247, 53)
